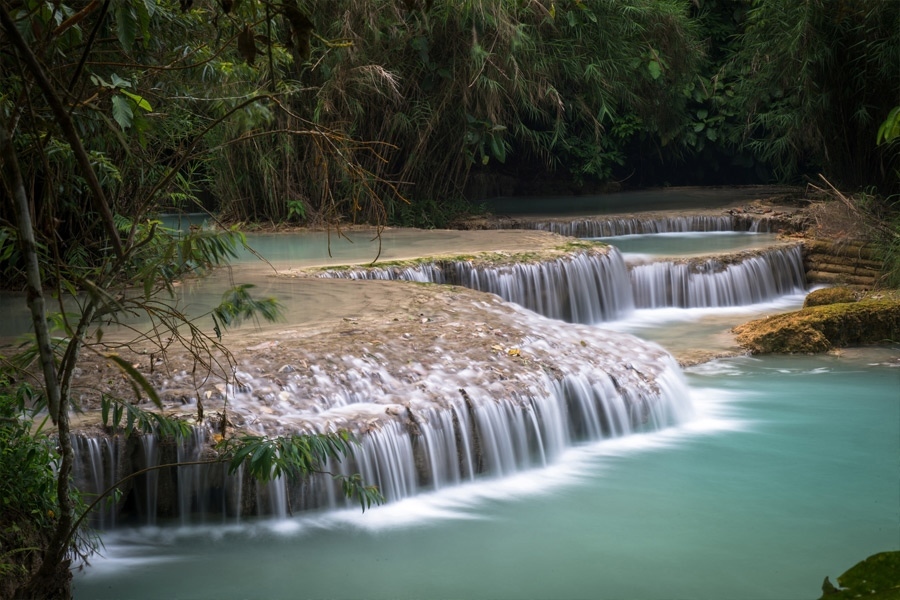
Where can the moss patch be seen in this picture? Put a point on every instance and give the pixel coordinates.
(821, 328)
(877, 577)
(835, 295)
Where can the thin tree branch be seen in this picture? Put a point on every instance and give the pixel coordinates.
(68, 129)
(91, 38)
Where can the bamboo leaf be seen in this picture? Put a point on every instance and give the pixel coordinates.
(136, 378)
(890, 129)
(139, 100)
(104, 409)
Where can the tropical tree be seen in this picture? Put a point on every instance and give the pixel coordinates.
(98, 133)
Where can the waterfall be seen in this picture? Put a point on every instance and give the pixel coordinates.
(591, 287)
(466, 428)
(487, 390)
(191, 478)
(437, 447)
(587, 287)
(478, 435)
(712, 283)
(597, 227)
(97, 467)
(150, 457)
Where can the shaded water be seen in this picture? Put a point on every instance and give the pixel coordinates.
(788, 474)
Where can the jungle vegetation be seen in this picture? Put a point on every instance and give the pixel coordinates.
(378, 111)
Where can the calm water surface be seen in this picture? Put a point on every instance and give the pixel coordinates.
(690, 243)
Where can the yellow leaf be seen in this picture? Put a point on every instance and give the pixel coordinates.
(513, 352)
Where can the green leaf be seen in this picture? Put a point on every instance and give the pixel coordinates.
(139, 100)
(148, 286)
(144, 11)
(118, 82)
(129, 421)
(890, 129)
(498, 149)
(126, 24)
(654, 68)
(122, 111)
(104, 409)
(97, 80)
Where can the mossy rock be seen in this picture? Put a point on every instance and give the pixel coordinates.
(834, 295)
(877, 577)
(821, 328)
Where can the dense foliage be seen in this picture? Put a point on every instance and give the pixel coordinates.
(816, 80)
(28, 500)
(382, 110)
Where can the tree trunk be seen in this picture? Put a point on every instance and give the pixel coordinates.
(53, 579)
(13, 177)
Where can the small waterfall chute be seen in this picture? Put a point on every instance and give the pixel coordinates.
(585, 287)
(713, 283)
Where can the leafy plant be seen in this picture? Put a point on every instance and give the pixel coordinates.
(890, 128)
(27, 461)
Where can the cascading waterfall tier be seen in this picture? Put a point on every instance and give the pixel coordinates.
(736, 280)
(587, 286)
(453, 386)
(600, 226)
(596, 286)
(449, 386)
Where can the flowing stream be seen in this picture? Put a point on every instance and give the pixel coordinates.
(759, 477)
